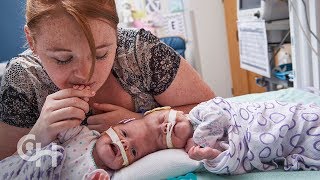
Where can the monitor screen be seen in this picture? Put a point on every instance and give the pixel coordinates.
(249, 4)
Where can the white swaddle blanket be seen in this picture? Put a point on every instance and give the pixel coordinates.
(258, 135)
(15, 167)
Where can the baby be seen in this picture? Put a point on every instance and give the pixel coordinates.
(235, 138)
(88, 150)
(87, 154)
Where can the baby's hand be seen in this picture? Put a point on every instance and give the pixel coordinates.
(98, 174)
(198, 153)
(190, 144)
(101, 176)
(82, 87)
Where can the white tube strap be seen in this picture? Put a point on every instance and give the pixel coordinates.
(157, 109)
(171, 123)
(116, 140)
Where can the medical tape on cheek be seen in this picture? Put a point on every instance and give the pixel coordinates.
(116, 140)
(171, 123)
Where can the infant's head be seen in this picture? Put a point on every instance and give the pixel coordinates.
(173, 127)
(124, 144)
(141, 137)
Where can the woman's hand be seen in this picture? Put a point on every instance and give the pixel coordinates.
(110, 116)
(199, 153)
(62, 110)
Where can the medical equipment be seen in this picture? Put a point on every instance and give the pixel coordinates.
(262, 26)
(267, 10)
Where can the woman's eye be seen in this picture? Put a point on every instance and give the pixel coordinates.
(102, 57)
(63, 61)
(133, 152)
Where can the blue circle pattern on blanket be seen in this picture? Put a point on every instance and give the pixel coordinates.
(260, 135)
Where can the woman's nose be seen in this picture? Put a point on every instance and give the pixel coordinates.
(82, 69)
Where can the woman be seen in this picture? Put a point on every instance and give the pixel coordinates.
(76, 43)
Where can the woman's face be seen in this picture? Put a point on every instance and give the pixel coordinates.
(64, 51)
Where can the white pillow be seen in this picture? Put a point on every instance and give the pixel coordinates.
(159, 165)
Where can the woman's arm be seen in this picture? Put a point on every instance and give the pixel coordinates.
(186, 90)
(9, 137)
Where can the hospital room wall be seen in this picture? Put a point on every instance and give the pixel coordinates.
(11, 31)
(209, 48)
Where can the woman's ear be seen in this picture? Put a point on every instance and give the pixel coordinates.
(29, 38)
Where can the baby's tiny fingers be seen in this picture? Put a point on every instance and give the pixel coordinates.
(191, 151)
(75, 86)
(86, 99)
(96, 176)
(198, 148)
(82, 87)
